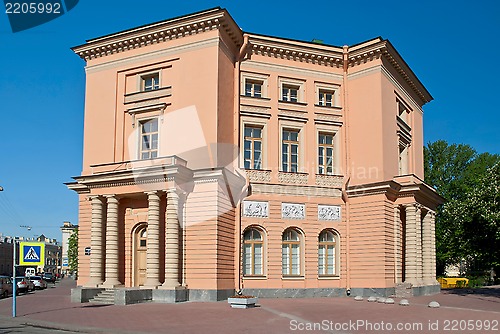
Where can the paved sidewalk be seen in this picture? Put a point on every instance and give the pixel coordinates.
(52, 309)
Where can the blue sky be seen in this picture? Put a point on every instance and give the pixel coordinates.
(451, 46)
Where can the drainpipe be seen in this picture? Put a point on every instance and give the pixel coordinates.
(236, 127)
(347, 165)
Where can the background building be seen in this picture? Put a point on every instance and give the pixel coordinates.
(217, 160)
(67, 230)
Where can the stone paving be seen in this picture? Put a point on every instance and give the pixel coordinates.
(460, 311)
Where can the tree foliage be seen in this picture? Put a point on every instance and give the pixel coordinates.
(468, 224)
(73, 251)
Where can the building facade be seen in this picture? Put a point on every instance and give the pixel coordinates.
(67, 230)
(217, 160)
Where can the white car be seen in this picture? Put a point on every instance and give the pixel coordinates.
(39, 282)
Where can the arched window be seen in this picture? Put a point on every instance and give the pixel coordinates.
(253, 245)
(327, 253)
(290, 253)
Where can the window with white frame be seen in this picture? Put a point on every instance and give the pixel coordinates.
(290, 150)
(252, 147)
(403, 158)
(326, 97)
(253, 245)
(290, 252)
(290, 93)
(327, 253)
(327, 94)
(150, 81)
(403, 111)
(253, 87)
(148, 139)
(326, 153)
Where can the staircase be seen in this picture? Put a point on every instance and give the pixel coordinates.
(106, 296)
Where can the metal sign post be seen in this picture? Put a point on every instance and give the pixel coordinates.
(14, 283)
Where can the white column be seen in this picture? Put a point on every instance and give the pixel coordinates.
(172, 240)
(111, 264)
(397, 245)
(411, 245)
(427, 246)
(433, 247)
(96, 256)
(153, 241)
(418, 222)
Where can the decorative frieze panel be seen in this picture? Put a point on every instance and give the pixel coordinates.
(292, 178)
(256, 209)
(328, 212)
(259, 176)
(334, 181)
(293, 211)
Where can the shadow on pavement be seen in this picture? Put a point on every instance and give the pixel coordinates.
(486, 292)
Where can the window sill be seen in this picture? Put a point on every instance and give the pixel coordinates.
(148, 95)
(257, 97)
(327, 277)
(294, 103)
(256, 277)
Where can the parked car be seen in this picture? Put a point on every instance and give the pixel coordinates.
(49, 277)
(5, 286)
(24, 284)
(39, 282)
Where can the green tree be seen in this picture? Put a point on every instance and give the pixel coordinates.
(459, 174)
(73, 251)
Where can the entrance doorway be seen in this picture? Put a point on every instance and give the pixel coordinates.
(140, 246)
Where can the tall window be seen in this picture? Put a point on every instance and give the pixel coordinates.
(253, 147)
(149, 139)
(252, 252)
(290, 150)
(327, 253)
(290, 253)
(403, 159)
(150, 81)
(290, 93)
(325, 153)
(326, 98)
(253, 88)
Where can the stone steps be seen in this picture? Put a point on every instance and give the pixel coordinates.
(104, 297)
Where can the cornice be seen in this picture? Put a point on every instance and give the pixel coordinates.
(400, 187)
(295, 50)
(161, 32)
(154, 174)
(377, 48)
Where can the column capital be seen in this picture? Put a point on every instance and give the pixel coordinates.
(154, 192)
(112, 198)
(94, 198)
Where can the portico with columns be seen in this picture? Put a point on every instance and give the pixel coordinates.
(105, 235)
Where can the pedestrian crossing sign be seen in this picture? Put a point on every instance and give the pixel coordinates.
(31, 254)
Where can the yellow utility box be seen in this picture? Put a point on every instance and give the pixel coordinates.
(453, 282)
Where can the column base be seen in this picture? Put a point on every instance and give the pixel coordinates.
(170, 285)
(151, 285)
(111, 284)
(93, 283)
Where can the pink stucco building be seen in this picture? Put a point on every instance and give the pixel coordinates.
(216, 160)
